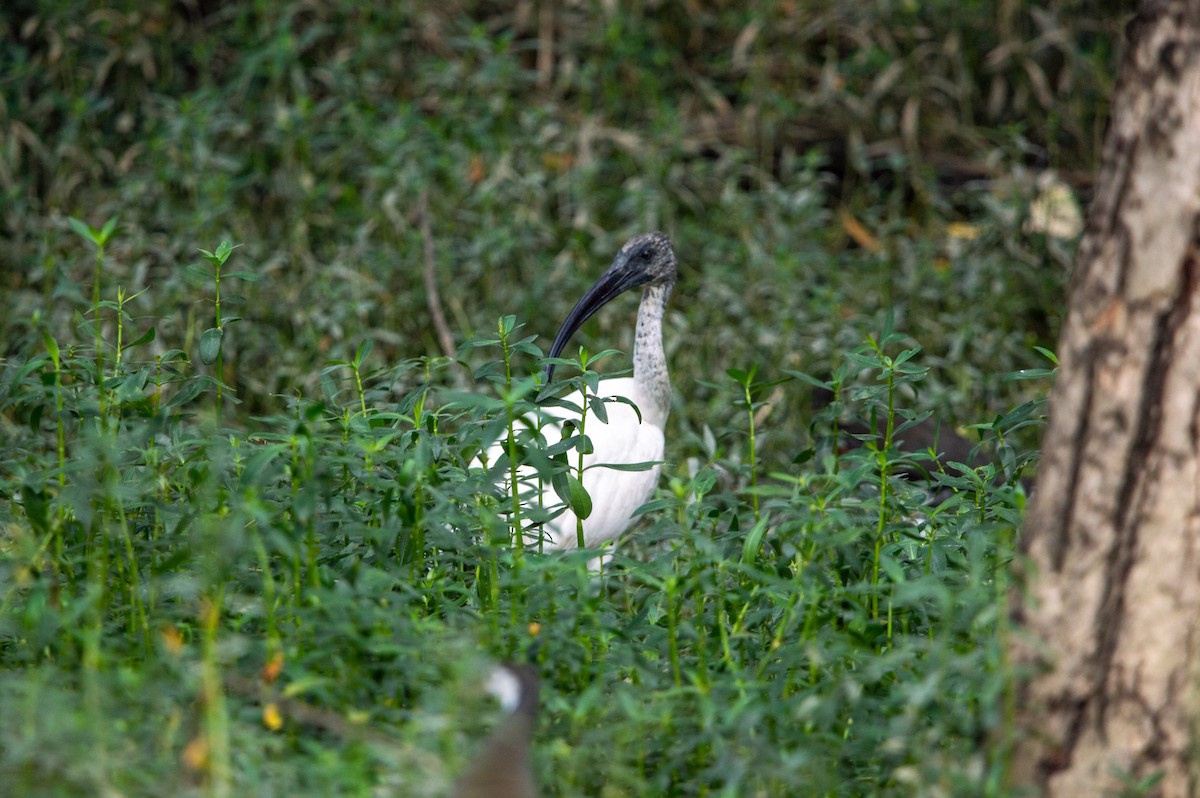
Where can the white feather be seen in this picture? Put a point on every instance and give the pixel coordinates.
(616, 495)
(505, 686)
(623, 440)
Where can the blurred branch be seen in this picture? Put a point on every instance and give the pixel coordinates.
(432, 296)
(545, 50)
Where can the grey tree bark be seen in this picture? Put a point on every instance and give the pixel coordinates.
(1111, 616)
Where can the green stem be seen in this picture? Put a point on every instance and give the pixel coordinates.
(362, 395)
(885, 469)
(220, 349)
(99, 332)
(672, 630)
(518, 536)
(753, 450)
(138, 619)
(583, 407)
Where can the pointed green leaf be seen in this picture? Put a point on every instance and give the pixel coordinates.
(646, 466)
(221, 255)
(1046, 353)
(753, 542)
(197, 274)
(187, 392)
(810, 380)
(210, 345)
(363, 351)
(107, 231)
(83, 229)
(558, 477)
(703, 482)
(577, 498)
(144, 338)
(596, 405)
(52, 348)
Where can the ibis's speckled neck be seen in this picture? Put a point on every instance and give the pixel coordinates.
(649, 360)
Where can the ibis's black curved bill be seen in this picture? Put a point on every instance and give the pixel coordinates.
(619, 278)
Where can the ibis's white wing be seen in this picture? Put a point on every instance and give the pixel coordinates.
(615, 495)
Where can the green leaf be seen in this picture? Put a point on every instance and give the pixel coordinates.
(646, 466)
(89, 233)
(1046, 353)
(210, 345)
(906, 355)
(558, 477)
(527, 348)
(363, 351)
(97, 237)
(1029, 374)
(187, 392)
(893, 569)
(221, 255)
(703, 482)
(753, 542)
(109, 228)
(624, 401)
(596, 405)
(197, 274)
(83, 230)
(1016, 415)
(577, 498)
(258, 463)
(565, 445)
(33, 364)
(52, 348)
(144, 338)
(809, 380)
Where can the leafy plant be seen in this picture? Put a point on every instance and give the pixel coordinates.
(277, 561)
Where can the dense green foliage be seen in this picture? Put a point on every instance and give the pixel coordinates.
(242, 550)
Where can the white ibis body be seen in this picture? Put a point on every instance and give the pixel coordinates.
(646, 261)
(503, 768)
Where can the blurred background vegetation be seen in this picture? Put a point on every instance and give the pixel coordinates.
(546, 134)
(827, 171)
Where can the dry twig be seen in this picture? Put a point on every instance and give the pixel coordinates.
(432, 296)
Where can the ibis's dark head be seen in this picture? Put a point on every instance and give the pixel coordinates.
(646, 259)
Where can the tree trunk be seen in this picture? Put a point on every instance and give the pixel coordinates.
(1110, 644)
